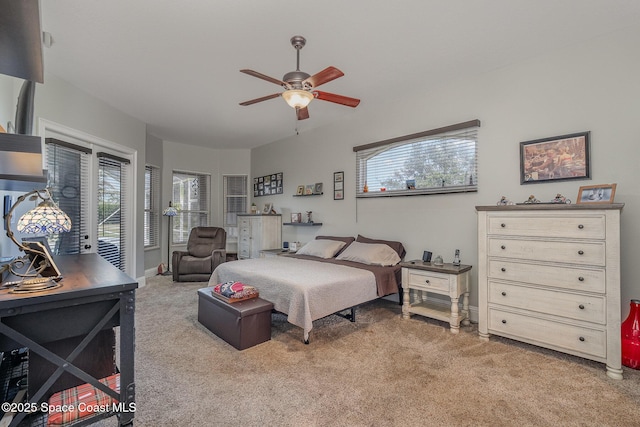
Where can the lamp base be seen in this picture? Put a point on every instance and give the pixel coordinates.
(167, 273)
(36, 284)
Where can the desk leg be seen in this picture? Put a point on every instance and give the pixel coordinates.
(455, 316)
(127, 345)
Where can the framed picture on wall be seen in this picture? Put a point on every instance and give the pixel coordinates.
(558, 158)
(338, 185)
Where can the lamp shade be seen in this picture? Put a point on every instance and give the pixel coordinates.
(297, 98)
(170, 211)
(45, 218)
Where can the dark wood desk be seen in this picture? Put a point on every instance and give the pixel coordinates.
(94, 297)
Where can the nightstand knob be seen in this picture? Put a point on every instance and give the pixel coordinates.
(581, 279)
(426, 281)
(503, 247)
(504, 321)
(581, 338)
(581, 307)
(580, 252)
(503, 269)
(580, 226)
(503, 225)
(504, 294)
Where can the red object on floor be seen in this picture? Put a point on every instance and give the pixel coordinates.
(630, 330)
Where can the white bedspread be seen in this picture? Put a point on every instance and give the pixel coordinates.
(304, 290)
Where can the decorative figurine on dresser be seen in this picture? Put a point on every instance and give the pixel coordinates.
(549, 275)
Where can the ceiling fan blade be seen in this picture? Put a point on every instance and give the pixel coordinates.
(264, 98)
(302, 113)
(267, 78)
(324, 76)
(338, 99)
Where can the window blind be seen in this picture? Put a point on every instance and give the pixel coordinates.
(68, 182)
(151, 206)
(113, 232)
(437, 161)
(235, 198)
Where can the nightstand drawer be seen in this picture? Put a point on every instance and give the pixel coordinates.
(538, 330)
(580, 227)
(586, 253)
(578, 279)
(428, 281)
(588, 308)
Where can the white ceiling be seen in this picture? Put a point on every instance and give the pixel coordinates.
(175, 64)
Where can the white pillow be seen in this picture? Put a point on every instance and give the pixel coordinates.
(321, 248)
(370, 253)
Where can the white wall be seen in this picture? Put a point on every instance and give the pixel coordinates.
(588, 87)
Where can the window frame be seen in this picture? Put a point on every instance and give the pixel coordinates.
(368, 151)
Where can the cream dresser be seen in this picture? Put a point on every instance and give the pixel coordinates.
(549, 275)
(258, 232)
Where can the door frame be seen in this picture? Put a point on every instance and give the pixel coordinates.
(48, 128)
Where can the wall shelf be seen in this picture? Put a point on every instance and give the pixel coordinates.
(303, 224)
(308, 195)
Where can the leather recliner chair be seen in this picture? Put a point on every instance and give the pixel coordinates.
(206, 249)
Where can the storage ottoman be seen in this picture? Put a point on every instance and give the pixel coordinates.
(242, 324)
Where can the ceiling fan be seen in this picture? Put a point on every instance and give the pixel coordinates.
(301, 87)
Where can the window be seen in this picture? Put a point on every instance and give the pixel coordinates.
(151, 206)
(235, 201)
(235, 198)
(437, 161)
(113, 232)
(191, 199)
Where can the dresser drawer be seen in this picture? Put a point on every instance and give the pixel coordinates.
(585, 253)
(428, 281)
(588, 308)
(574, 227)
(548, 333)
(577, 279)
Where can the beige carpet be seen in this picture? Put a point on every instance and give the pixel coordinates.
(380, 371)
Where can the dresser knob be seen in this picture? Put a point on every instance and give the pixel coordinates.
(581, 279)
(504, 321)
(581, 307)
(580, 252)
(581, 338)
(426, 281)
(503, 225)
(504, 294)
(503, 269)
(580, 226)
(503, 247)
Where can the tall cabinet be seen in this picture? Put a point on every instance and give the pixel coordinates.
(549, 275)
(258, 232)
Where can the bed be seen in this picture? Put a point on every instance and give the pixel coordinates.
(326, 276)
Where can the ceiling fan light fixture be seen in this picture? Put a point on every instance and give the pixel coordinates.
(297, 98)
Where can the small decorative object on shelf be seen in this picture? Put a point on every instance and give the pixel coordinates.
(296, 217)
(411, 184)
(300, 191)
(504, 201)
(254, 208)
(438, 261)
(532, 199)
(308, 190)
(309, 220)
(365, 189)
(317, 189)
(456, 258)
(561, 199)
(630, 331)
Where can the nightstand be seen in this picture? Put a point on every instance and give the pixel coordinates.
(425, 278)
(267, 253)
